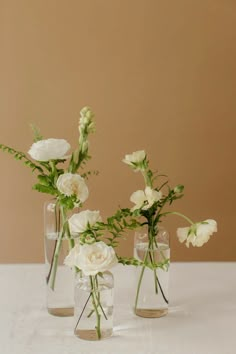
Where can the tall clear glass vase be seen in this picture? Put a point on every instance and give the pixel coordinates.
(94, 297)
(59, 278)
(151, 299)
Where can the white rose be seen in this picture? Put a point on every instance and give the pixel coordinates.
(95, 258)
(49, 149)
(73, 184)
(135, 159)
(70, 259)
(80, 222)
(197, 234)
(145, 199)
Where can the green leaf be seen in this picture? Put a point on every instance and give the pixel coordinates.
(43, 179)
(19, 156)
(45, 189)
(36, 132)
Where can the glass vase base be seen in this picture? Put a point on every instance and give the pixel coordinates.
(151, 313)
(61, 311)
(91, 334)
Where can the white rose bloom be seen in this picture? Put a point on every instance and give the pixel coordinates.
(197, 234)
(70, 259)
(49, 149)
(135, 159)
(70, 183)
(95, 258)
(81, 221)
(145, 199)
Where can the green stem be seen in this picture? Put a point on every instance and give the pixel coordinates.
(98, 301)
(179, 214)
(57, 228)
(98, 326)
(150, 252)
(82, 312)
(54, 170)
(55, 259)
(140, 279)
(58, 248)
(162, 292)
(157, 282)
(147, 179)
(98, 297)
(70, 239)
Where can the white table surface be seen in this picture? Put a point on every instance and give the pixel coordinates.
(201, 319)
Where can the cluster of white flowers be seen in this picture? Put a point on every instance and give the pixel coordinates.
(86, 120)
(90, 258)
(46, 150)
(86, 126)
(197, 234)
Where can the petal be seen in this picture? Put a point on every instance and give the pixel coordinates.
(213, 224)
(138, 197)
(182, 233)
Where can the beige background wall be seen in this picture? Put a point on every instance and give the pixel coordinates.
(160, 75)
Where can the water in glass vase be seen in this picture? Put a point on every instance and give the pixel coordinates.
(60, 301)
(59, 278)
(94, 307)
(152, 284)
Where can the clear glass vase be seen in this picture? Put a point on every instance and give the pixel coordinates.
(59, 278)
(151, 299)
(94, 298)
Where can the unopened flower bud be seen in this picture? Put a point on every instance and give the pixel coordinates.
(179, 188)
(87, 112)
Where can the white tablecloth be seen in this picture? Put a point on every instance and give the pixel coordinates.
(201, 319)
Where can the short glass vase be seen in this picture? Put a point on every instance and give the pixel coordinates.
(94, 298)
(152, 278)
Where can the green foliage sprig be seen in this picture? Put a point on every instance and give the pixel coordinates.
(112, 230)
(18, 155)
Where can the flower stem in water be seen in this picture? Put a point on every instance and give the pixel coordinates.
(82, 312)
(98, 326)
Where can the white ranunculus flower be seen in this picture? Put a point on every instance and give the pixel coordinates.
(145, 199)
(70, 259)
(49, 149)
(80, 222)
(73, 184)
(197, 234)
(95, 258)
(135, 159)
